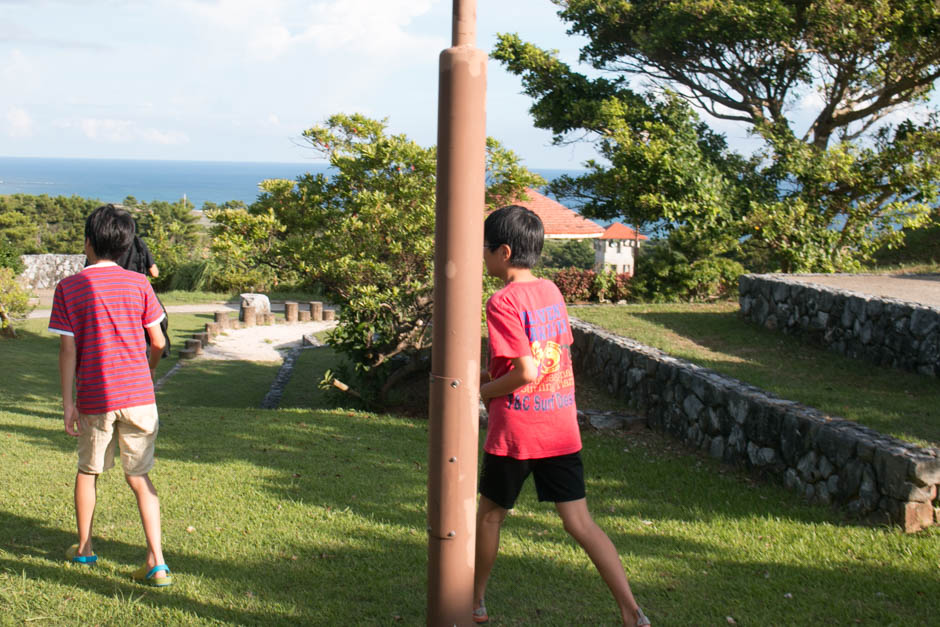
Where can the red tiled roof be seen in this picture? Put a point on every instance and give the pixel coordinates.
(621, 231)
(559, 221)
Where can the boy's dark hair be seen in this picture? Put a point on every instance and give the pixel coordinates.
(520, 229)
(110, 231)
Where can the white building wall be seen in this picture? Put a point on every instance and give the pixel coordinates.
(613, 254)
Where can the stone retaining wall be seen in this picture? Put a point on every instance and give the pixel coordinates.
(827, 459)
(886, 331)
(45, 271)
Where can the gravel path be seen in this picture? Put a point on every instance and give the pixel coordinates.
(262, 343)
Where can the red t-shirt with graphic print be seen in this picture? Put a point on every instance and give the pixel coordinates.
(105, 307)
(540, 419)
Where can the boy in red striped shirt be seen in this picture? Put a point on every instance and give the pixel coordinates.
(99, 313)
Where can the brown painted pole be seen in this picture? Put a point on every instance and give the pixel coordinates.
(455, 361)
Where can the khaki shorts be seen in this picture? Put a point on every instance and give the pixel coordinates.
(133, 428)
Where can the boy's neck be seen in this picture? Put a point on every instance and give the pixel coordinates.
(94, 259)
(518, 275)
(90, 254)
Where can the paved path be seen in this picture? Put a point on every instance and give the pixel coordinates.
(170, 309)
(916, 288)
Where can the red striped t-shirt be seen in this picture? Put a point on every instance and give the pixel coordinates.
(106, 308)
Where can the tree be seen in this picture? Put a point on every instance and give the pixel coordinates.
(818, 201)
(364, 234)
(569, 253)
(45, 224)
(175, 239)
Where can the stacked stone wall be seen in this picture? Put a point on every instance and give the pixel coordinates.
(45, 271)
(826, 459)
(885, 331)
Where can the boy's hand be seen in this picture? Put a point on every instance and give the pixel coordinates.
(524, 371)
(72, 423)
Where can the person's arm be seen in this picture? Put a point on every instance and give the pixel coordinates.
(157, 342)
(524, 371)
(67, 361)
(153, 270)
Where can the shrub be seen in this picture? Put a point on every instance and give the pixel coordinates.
(921, 245)
(14, 301)
(10, 256)
(611, 287)
(666, 274)
(576, 286)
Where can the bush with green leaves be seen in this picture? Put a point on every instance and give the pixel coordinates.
(664, 273)
(14, 301)
(363, 234)
(10, 256)
(916, 245)
(611, 287)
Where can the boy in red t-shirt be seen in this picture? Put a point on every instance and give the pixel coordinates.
(533, 424)
(99, 314)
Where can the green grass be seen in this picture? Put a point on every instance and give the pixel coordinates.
(906, 268)
(303, 388)
(184, 297)
(316, 516)
(897, 403)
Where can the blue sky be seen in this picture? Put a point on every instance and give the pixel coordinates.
(239, 80)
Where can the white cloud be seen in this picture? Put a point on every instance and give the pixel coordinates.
(269, 29)
(15, 69)
(374, 27)
(125, 131)
(19, 123)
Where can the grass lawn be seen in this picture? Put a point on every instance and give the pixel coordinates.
(183, 297)
(313, 515)
(898, 403)
(907, 268)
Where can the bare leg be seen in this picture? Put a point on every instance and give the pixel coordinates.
(578, 522)
(490, 517)
(149, 505)
(85, 500)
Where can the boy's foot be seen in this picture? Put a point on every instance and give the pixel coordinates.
(148, 576)
(72, 555)
(479, 614)
(641, 619)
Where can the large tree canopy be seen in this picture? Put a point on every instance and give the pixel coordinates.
(364, 234)
(748, 60)
(816, 201)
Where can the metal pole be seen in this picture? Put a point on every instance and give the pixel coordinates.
(455, 361)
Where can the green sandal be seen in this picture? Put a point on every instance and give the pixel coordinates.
(72, 555)
(146, 577)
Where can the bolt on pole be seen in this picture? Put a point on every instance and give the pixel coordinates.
(455, 361)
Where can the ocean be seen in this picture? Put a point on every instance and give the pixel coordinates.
(113, 180)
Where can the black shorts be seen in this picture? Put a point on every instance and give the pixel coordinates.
(557, 479)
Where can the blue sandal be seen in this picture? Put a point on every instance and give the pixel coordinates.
(146, 577)
(72, 555)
